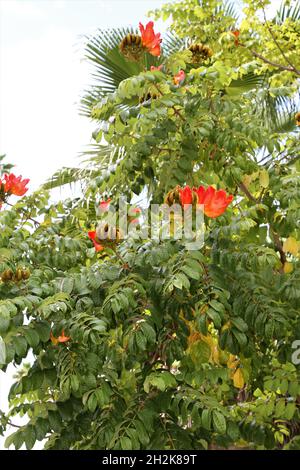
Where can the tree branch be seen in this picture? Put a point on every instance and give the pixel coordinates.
(275, 64)
(275, 236)
(25, 213)
(245, 190)
(278, 245)
(293, 68)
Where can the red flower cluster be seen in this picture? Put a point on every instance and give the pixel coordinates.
(150, 40)
(14, 185)
(61, 339)
(92, 236)
(179, 77)
(215, 202)
(236, 36)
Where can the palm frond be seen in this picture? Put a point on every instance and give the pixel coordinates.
(110, 68)
(97, 159)
(287, 11)
(246, 83)
(277, 113)
(229, 8)
(67, 176)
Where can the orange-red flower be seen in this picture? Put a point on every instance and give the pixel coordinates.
(215, 201)
(150, 40)
(15, 185)
(185, 195)
(92, 236)
(236, 35)
(179, 77)
(61, 339)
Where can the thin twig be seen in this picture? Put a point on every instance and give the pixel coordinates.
(13, 425)
(25, 213)
(245, 190)
(275, 64)
(177, 112)
(278, 45)
(275, 236)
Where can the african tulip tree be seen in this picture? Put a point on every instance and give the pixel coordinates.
(139, 342)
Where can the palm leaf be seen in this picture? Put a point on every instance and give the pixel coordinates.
(99, 158)
(228, 9)
(110, 67)
(287, 11)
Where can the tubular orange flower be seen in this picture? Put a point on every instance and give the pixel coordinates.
(215, 201)
(15, 185)
(150, 40)
(63, 338)
(179, 77)
(92, 236)
(186, 195)
(236, 35)
(53, 339)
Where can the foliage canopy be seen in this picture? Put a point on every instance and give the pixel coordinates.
(167, 348)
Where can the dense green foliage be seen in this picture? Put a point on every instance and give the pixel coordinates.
(168, 348)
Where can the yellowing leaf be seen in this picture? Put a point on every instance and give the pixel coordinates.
(226, 326)
(291, 245)
(195, 336)
(238, 378)
(288, 267)
(232, 362)
(264, 178)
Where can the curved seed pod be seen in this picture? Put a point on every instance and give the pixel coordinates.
(7, 275)
(148, 96)
(19, 275)
(106, 234)
(132, 48)
(25, 273)
(173, 197)
(200, 52)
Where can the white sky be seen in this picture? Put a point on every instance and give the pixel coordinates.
(41, 78)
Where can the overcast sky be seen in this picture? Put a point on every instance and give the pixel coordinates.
(41, 79)
(42, 76)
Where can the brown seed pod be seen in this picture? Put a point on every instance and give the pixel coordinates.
(7, 275)
(148, 96)
(297, 118)
(200, 53)
(173, 197)
(107, 234)
(132, 48)
(18, 275)
(25, 273)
